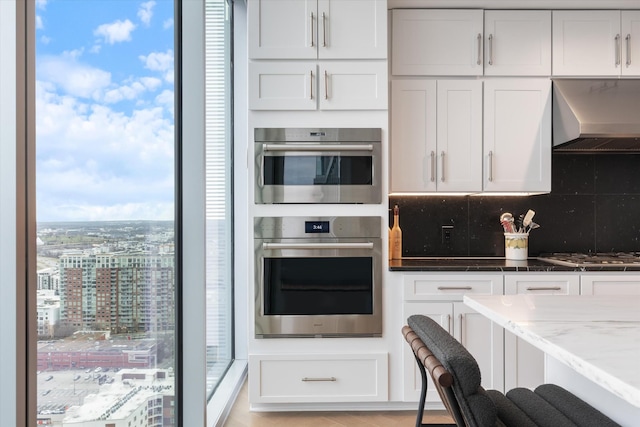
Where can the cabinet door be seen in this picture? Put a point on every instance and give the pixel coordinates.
(353, 85)
(517, 42)
(441, 313)
(285, 29)
(517, 135)
(524, 363)
(484, 340)
(597, 284)
(288, 85)
(631, 42)
(413, 135)
(437, 42)
(459, 135)
(586, 42)
(354, 29)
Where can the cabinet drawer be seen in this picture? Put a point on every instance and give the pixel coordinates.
(318, 378)
(547, 284)
(450, 287)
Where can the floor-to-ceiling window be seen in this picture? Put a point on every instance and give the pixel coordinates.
(219, 195)
(105, 202)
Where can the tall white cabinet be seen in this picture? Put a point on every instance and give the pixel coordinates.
(437, 129)
(317, 55)
(517, 135)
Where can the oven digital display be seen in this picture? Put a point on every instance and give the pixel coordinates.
(316, 226)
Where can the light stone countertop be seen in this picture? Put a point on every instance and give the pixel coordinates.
(597, 336)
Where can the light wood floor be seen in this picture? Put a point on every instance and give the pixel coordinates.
(240, 416)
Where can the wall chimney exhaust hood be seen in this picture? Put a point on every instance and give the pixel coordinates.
(596, 116)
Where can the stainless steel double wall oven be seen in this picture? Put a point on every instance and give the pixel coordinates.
(314, 165)
(318, 276)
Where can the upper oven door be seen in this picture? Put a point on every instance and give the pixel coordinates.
(318, 169)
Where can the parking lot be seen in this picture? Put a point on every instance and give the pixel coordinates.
(58, 390)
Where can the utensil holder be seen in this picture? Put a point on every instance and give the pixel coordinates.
(516, 246)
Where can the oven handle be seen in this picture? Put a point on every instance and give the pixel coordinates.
(365, 245)
(317, 147)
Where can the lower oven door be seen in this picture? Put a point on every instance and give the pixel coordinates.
(319, 287)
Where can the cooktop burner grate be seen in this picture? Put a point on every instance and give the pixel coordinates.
(621, 259)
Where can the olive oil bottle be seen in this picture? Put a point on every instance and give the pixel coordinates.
(396, 235)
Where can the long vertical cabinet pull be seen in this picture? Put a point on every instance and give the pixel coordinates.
(490, 49)
(311, 84)
(628, 41)
(490, 166)
(326, 85)
(312, 32)
(479, 62)
(448, 317)
(617, 39)
(324, 30)
(461, 320)
(442, 166)
(433, 166)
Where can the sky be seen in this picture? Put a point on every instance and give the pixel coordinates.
(104, 110)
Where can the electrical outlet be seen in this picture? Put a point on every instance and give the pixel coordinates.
(446, 233)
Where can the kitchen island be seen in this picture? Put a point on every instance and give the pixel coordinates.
(592, 344)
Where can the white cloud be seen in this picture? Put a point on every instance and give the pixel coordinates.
(39, 24)
(41, 4)
(75, 78)
(118, 31)
(162, 62)
(45, 40)
(146, 12)
(168, 23)
(132, 90)
(95, 163)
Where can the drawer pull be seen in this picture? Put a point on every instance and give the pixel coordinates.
(544, 288)
(328, 379)
(454, 288)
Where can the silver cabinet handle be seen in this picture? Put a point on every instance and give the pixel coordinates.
(313, 33)
(461, 320)
(326, 85)
(317, 147)
(628, 40)
(490, 49)
(442, 164)
(448, 323)
(433, 166)
(324, 30)
(479, 49)
(311, 84)
(365, 245)
(490, 166)
(455, 288)
(327, 379)
(617, 49)
(544, 288)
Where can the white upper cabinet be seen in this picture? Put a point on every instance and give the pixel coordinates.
(313, 85)
(517, 135)
(596, 43)
(517, 42)
(436, 136)
(312, 29)
(437, 42)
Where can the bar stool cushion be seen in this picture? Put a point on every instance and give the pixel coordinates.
(539, 410)
(574, 408)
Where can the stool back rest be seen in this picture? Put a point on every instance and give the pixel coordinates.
(476, 408)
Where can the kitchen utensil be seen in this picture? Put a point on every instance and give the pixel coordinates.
(527, 218)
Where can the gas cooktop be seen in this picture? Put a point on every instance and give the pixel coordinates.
(618, 259)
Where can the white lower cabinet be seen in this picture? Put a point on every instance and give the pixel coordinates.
(610, 284)
(440, 297)
(300, 378)
(523, 363)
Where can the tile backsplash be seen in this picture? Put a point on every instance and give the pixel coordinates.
(594, 206)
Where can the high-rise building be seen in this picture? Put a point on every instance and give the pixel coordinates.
(121, 292)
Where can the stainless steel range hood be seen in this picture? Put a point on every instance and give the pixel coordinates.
(596, 115)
